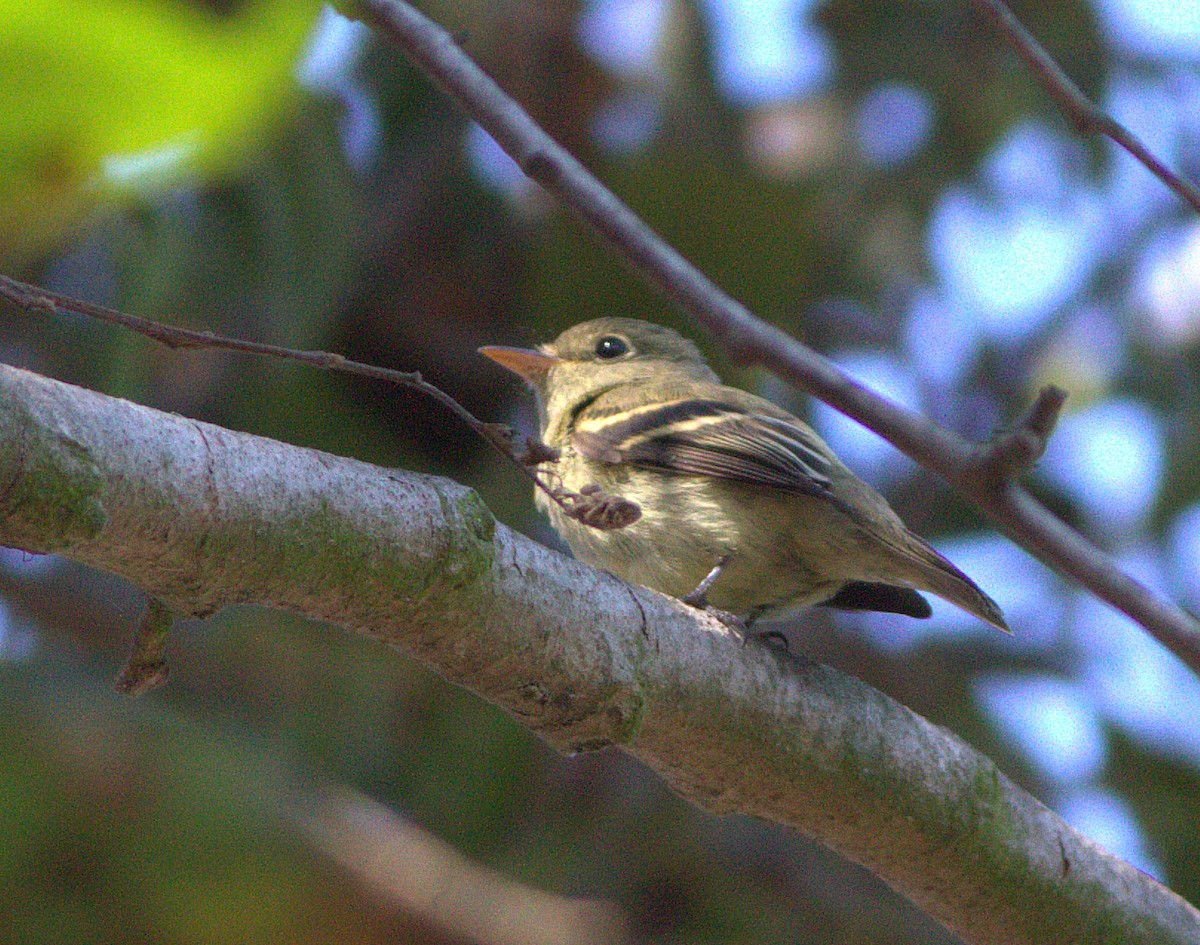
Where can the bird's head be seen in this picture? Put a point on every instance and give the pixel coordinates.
(594, 357)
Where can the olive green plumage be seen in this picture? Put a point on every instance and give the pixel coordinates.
(718, 472)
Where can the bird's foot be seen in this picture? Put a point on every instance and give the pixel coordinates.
(741, 627)
(744, 628)
(729, 619)
(775, 639)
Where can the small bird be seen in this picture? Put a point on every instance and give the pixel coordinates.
(731, 488)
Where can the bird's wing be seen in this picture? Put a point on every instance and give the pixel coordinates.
(709, 438)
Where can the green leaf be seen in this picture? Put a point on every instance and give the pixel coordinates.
(106, 99)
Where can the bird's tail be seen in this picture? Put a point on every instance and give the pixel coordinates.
(939, 576)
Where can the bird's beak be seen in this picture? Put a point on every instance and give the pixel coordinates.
(531, 365)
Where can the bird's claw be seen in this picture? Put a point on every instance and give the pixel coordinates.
(699, 599)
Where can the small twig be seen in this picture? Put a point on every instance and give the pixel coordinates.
(36, 299)
(1015, 450)
(146, 667)
(591, 505)
(1082, 112)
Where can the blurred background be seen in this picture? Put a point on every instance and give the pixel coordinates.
(885, 181)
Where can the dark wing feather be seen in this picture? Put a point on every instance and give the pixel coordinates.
(709, 438)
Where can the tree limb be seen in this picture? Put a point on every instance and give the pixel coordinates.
(1025, 520)
(200, 517)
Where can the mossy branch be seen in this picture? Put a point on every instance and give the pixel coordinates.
(200, 517)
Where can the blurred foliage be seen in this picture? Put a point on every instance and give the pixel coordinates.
(104, 98)
(158, 820)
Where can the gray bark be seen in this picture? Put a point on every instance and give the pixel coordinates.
(202, 517)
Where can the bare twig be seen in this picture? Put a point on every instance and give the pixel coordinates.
(1082, 112)
(146, 668)
(576, 505)
(1016, 450)
(1021, 517)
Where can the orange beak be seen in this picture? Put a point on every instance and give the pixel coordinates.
(531, 365)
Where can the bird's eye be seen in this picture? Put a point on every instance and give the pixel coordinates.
(610, 347)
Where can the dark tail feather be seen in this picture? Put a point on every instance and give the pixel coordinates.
(884, 598)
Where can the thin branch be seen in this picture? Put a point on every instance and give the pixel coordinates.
(146, 668)
(591, 508)
(425, 877)
(1082, 112)
(200, 517)
(744, 336)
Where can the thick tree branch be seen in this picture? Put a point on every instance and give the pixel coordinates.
(200, 517)
(1015, 511)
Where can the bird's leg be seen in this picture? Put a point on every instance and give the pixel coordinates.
(699, 599)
